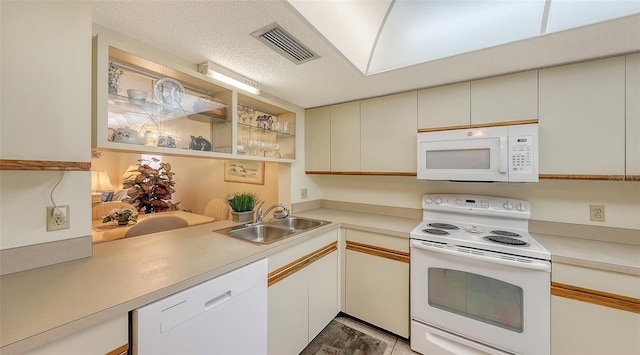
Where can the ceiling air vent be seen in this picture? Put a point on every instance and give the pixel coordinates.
(282, 42)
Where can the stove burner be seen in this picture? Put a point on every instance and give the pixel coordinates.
(506, 233)
(443, 226)
(435, 231)
(506, 240)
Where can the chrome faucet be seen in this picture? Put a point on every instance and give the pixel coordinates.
(278, 214)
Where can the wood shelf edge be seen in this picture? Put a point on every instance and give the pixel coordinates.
(43, 165)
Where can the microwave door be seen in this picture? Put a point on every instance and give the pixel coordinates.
(478, 159)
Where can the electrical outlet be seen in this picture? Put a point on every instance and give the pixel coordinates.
(303, 194)
(596, 213)
(57, 218)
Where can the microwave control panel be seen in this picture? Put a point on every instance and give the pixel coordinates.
(521, 154)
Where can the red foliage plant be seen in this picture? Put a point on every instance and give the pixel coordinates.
(150, 189)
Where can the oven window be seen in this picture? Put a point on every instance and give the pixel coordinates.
(458, 159)
(478, 297)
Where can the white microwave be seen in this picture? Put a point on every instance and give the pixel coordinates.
(501, 153)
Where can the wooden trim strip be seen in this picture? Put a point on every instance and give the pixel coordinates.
(299, 264)
(481, 125)
(361, 173)
(10, 164)
(119, 350)
(378, 251)
(315, 172)
(508, 123)
(582, 177)
(632, 178)
(625, 303)
(438, 129)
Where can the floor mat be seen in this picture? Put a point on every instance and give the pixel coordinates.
(340, 339)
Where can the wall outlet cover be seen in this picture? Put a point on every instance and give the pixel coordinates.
(303, 194)
(57, 218)
(596, 213)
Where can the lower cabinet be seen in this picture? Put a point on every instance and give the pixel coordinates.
(303, 293)
(377, 280)
(110, 337)
(594, 311)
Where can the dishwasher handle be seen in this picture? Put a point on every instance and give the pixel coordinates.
(192, 304)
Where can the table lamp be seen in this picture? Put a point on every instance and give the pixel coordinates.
(100, 183)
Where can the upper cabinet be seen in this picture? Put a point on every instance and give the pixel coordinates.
(345, 137)
(506, 99)
(633, 117)
(582, 120)
(333, 139)
(388, 134)
(317, 123)
(149, 105)
(444, 107)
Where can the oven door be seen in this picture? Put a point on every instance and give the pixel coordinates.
(479, 154)
(491, 298)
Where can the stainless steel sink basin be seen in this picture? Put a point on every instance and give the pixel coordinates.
(272, 231)
(260, 234)
(297, 223)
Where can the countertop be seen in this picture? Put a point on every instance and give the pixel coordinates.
(47, 303)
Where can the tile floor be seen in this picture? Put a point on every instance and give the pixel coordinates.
(396, 345)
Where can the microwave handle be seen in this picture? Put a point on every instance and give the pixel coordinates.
(504, 157)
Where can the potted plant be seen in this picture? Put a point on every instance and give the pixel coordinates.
(242, 204)
(150, 189)
(123, 216)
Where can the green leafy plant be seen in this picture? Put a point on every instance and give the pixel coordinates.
(150, 189)
(242, 201)
(121, 215)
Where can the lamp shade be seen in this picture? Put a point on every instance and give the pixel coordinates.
(131, 171)
(100, 181)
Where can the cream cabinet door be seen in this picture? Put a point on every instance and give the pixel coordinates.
(323, 293)
(444, 107)
(303, 300)
(633, 117)
(287, 315)
(582, 119)
(505, 98)
(389, 130)
(377, 286)
(345, 137)
(581, 327)
(317, 137)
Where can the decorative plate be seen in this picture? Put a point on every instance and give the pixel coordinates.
(168, 92)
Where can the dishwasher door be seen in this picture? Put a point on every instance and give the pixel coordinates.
(225, 315)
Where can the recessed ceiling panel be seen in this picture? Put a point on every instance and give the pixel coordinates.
(567, 14)
(351, 26)
(421, 31)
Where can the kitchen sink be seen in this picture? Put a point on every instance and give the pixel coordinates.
(272, 231)
(297, 223)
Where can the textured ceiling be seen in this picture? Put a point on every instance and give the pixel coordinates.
(219, 31)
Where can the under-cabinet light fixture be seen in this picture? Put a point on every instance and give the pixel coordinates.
(227, 76)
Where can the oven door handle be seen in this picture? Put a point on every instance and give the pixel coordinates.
(530, 264)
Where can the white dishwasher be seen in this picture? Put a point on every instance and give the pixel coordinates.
(225, 315)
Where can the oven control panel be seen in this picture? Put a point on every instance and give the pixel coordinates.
(487, 205)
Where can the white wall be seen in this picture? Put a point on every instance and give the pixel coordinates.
(551, 200)
(45, 115)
